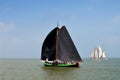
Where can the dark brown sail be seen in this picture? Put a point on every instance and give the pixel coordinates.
(67, 50)
(49, 46)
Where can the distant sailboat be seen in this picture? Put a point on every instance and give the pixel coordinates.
(98, 53)
(59, 50)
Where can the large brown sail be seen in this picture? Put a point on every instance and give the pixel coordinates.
(58, 45)
(67, 50)
(49, 46)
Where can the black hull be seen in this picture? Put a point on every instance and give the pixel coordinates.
(61, 65)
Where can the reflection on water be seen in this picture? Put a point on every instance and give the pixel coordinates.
(32, 69)
(59, 73)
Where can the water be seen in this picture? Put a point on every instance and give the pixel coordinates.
(32, 69)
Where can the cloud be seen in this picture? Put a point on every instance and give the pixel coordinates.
(87, 9)
(15, 41)
(96, 0)
(90, 8)
(6, 10)
(112, 40)
(6, 27)
(116, 19)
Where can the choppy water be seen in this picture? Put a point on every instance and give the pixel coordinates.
(32, 69)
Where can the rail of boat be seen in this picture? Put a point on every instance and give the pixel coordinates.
(61, 63)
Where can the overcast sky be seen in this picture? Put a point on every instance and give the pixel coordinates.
(24, 24)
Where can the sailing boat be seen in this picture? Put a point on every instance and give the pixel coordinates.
(98, 53)
(59, 50)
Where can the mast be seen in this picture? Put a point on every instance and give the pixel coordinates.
(56, 56)
(57, 24)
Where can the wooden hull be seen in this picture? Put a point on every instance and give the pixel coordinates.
(61, 65)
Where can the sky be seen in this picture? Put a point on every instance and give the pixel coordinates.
(24, 24)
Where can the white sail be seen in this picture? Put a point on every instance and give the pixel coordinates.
(98, 53)
(94, 53)
(104, 54)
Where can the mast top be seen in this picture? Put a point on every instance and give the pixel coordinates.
(57, 24)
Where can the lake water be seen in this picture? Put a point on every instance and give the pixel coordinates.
(33, 69)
